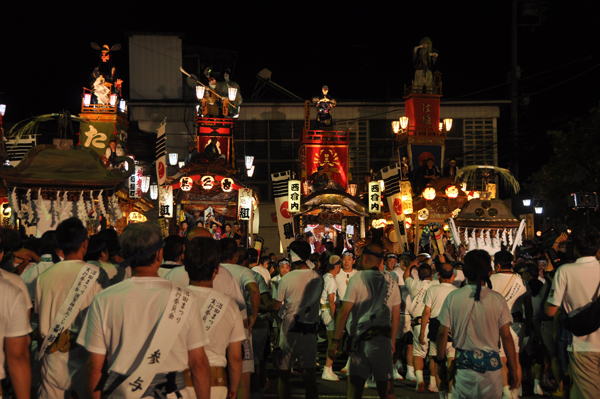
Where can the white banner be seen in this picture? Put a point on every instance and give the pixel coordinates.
(391, 177)
(374, 197)
(244, 203)
(285, 222)
(165, 201)
(161, 153)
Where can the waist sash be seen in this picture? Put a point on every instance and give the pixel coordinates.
(69, 309)
(169, 326)
(478, 360)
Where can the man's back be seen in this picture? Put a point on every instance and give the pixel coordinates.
(121, 320)
(512, 288)
(373, 297)
(243, 276)
(435, 296)
(54, 284)
(300, 290)
(574, 286)
(475, 325)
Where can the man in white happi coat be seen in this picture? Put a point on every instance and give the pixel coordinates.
(518, 298)
(417, 287)
(14, 338)
(299, 293)
(63, 295)
(478, 319)
(146, 352)
(221, 316)
(371, 313)
(433, 300)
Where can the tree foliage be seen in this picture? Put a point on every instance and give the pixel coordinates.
(574, 166)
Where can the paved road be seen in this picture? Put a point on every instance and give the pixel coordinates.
(334, 390)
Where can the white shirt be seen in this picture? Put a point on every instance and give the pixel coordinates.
(54, 284)
(300, 291)
(481, 329)
(31, 275)
(265, 275)
(435, 296)
(459, 277)
(574, 286)
(243, 276)
(417, 289)
(230, 328)
(329, 287)
(223, 282)
(120, 323)
(342, 280)
(512, 288)
(368, 290)
(14, 318)
(406, 302)
(17, 282)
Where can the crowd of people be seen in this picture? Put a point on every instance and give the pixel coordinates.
(136, 316)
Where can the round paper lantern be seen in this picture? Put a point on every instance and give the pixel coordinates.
(408, 222)
(452, 191)
(423, 214)
(186, 183)
(407, 205)
(429, 193)
(472, 195)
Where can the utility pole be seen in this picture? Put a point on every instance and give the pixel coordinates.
(515, 74)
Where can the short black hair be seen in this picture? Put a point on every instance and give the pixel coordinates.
(264, 259)
(229, 248)
(504, 259)
(425, 271)
(477, 261)
(49, 245)
(252, 255)
(300, 248)
(111, 238)
(202, 258)
(173, 247)
(242, 255)
(586, 240)
(69, 233)
(95, 248)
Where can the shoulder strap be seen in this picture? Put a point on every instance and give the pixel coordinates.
(507, 285)
(169, 326)
(69, 309)
(415, 302)
(213, 309)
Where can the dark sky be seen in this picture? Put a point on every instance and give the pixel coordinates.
(361, 52)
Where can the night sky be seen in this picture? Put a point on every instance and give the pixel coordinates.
(359, 52)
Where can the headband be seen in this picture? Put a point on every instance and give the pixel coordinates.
(76, 242)
(283, 262)
(296, 258)
(367, 251)
(141, 253)
(336, 263)
(348, 253)
(389, 256)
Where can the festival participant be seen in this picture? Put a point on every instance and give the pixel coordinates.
(342, 280)
(245, 280)
(224, 325)
(329, 302)
(70, 284)
(283, 267)
(14, 338)
(97, 254)
(111, 238)
(433, 300)
(478, 318)
(51, 254)
(224, 282)
(391, 263)
(371, 313)
(144, 351)
(511, 286)
(404, 339)
(172, 255)
(298, 293)
(417, 289)
(574, 287)
(318, 179)
(260, 332)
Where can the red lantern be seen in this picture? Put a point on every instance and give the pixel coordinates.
(429, 193)
(452, 191)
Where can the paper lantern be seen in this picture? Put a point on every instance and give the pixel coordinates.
(429, 193)
(452, 191)
(186, 183)
(87, 99)
(137, 217)
(404, 122)
(173, 158)
(423, 214)
(113, 100)
(154, 192)
(396, 126)
(200, 92)
(227, 184)
(231, 93)
(472, 195)
(207, 182)
(407, 205)
(448, 124)
(408, 222)
(145, 184)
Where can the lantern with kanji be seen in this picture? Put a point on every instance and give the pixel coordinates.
(186, 183)
(429, 193)
(452, 191)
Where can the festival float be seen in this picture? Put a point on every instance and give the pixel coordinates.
(321, 200)
(207, 183)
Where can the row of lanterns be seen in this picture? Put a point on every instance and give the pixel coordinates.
(452, 191)
(87, 100)
(402, 124)
(231, 92)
